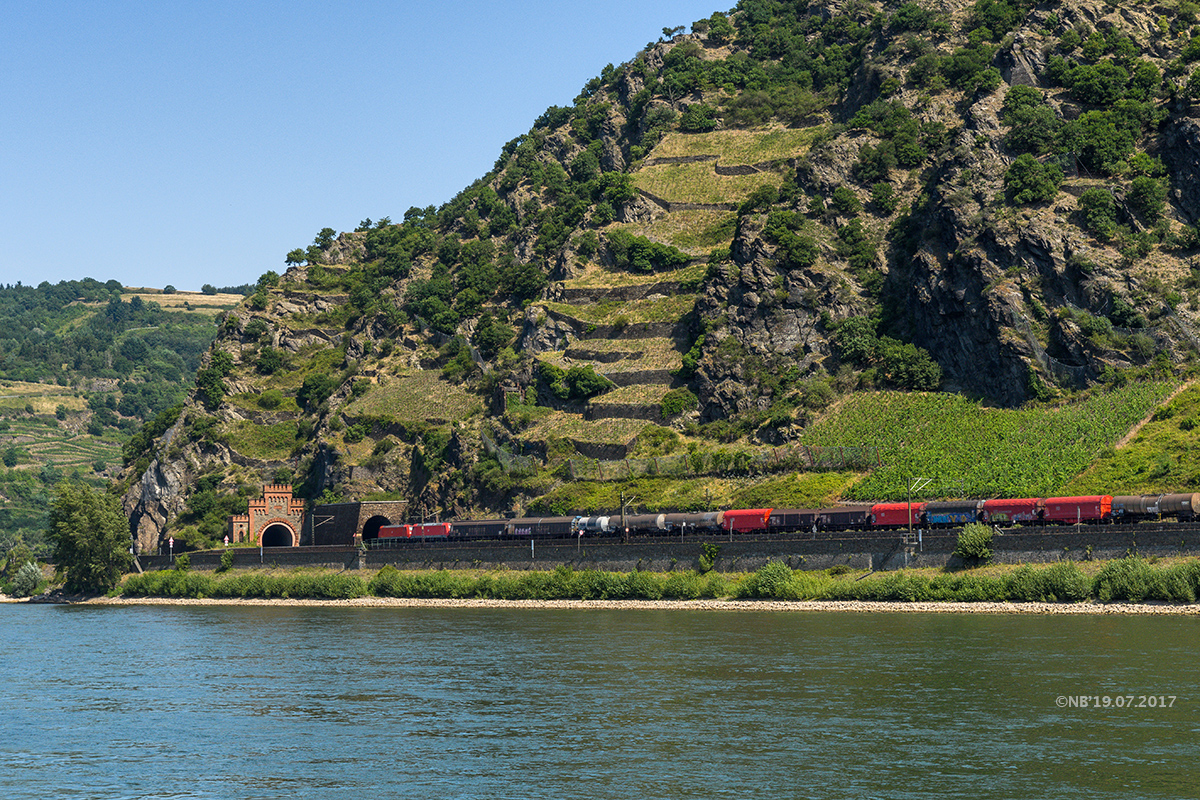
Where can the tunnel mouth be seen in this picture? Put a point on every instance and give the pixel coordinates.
(278, 536)
(371, 528)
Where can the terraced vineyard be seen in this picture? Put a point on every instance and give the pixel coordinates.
(971, 451)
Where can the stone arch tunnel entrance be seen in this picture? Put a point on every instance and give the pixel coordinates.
(371, 527)
(278, 535)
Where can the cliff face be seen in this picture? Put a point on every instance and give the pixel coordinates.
(791, 202)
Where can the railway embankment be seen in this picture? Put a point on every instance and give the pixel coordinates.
(882, 551)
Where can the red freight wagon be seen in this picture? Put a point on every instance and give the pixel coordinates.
(1003, 510)
(896, 515)
(745, 520)
(1070, 510)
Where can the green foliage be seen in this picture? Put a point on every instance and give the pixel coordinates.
(143, 440)
(576, 383)
(1028, 181)
(883, 198)
(1059, 582)
(90, 537)
(639, 254)
(974, 543)
(898, 364)
(1099, 212)
(269, 361)
(270, 399)
(316, 389)
(1134, 580)
(491, 336)
(1148, 197)
(846, 202)
(26, 580)
(298, 584)
(677, 401)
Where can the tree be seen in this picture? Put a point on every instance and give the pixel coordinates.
(1099, 212)
(90, 537)
(1028, 181)
(1148, 196)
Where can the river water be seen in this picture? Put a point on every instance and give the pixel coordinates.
(273, 702)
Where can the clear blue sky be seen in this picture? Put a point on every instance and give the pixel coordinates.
(197, 142)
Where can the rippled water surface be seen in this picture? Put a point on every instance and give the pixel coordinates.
(266, 702)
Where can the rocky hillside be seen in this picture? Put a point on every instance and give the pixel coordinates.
(680, 272)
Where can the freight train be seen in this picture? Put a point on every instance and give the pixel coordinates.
(1000, 512)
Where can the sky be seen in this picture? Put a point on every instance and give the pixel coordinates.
(190, 143)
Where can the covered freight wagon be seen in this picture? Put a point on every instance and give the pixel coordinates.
(478, 528)
(896, 515)
(1005, 511)
(540, 527)
(1079, 510)
(952, 512)
(844, 518)
(783, 520)
(746, 520)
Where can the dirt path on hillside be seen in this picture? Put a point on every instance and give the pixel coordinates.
(1127, 438)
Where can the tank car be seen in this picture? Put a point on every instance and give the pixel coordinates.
(703, 521)
(593, 526)
(1183, 507)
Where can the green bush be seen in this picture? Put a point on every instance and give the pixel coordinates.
(1029, 181)
(677, 401)
(1133, 580)
(974, 543)
(270, 399)
(26, 581)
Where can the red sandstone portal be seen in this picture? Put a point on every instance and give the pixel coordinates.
(275, 520)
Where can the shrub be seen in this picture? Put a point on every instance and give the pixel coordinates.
(1129, 579)
(1029, 181)
(974, 543)
(677, 401)
(269, 399)
(26, 581)
(772, 580)
(684, 586)
(226, 561)
(1099, 212)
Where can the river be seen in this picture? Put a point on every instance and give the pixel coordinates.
(302, 702)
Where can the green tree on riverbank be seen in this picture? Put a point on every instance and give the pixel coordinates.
(90, 536)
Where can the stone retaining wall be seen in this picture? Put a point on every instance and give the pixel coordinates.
(880, 552)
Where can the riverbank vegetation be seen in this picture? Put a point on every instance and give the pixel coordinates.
(1132, 579)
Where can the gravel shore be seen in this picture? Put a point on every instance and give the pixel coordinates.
(850, 606)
